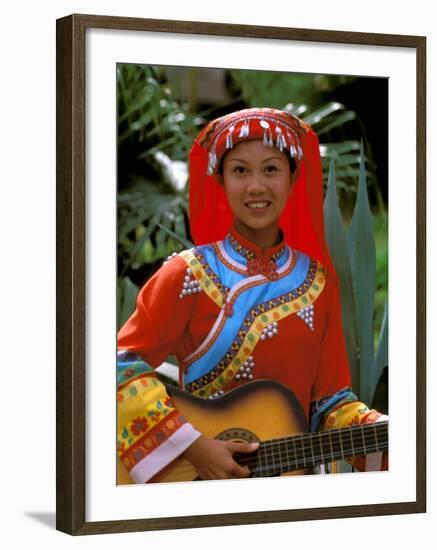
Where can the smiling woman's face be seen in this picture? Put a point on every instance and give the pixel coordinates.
(258, 181)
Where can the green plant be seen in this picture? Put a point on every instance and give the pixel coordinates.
(354, 256)
(155, 131)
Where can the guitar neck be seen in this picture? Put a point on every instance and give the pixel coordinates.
(277, 456)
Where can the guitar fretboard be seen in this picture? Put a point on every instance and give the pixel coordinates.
(277, 456)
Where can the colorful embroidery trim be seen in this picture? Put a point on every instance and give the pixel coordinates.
(248, 254)
(150, 438)
(205, 276)
(250, 332)
(228, 262)
(233, 294)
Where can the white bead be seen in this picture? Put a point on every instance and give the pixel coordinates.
(275, 324)
(250, 376)
(263, 336)
(275, 331)
(244, 375)
(270, 334)
(238, 376)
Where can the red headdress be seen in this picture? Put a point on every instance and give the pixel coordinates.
(302, 218)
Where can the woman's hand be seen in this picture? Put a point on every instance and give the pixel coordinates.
(213, 458)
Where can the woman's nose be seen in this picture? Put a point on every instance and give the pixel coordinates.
(255, 184)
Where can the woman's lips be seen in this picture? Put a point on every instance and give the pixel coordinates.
(257, 206)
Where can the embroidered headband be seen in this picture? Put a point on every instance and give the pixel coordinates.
(275, 128)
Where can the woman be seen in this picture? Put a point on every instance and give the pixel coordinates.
(256, 299)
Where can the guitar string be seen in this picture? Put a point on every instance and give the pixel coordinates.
(300, 457)
(244, 460)
(378, 426)
(354, 436)
(287, 467)
(321, 457)
(328, 456)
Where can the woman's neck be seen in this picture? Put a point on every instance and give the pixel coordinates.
(263, 238)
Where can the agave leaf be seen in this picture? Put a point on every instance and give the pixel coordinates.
(337, 243)
(349, 160)
(127, 293)
(381, 358)
(348, 171)
(362, 253)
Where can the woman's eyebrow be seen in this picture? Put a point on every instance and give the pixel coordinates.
(238, 160)
(246, 161)
(272, 158)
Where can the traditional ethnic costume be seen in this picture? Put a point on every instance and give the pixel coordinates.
(231, 312)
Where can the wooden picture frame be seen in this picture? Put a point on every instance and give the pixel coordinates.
(71, 272)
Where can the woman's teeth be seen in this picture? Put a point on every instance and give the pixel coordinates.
(258, 204)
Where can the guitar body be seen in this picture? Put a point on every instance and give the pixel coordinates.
(258, 411)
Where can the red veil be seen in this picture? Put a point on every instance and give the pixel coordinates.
(302, 219)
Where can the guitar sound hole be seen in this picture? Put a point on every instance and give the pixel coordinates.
(238, 434)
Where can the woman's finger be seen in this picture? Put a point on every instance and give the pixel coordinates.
(242, 447)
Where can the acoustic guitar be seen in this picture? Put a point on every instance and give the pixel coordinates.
(269, 413)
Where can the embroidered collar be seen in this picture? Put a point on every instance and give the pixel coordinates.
(258, 260)
(251, 251)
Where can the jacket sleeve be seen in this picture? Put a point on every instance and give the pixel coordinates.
(160, 317)
(151, 432)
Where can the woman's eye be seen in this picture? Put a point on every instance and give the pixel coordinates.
(271, 168)
(239, 169)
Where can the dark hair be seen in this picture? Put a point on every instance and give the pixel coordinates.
(291, 161)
